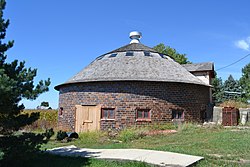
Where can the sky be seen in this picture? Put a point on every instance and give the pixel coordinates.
(61, 37)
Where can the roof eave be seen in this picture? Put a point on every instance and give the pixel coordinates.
(89, 81)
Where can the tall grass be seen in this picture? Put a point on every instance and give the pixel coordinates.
(48, 119)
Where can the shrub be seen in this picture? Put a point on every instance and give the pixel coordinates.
(49, 132)
(61, 135)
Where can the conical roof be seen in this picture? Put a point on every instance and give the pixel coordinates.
(134, 62)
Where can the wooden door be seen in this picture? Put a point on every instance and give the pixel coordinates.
(87, 118)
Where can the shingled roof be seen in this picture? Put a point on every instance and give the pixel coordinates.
(133, 47)
(207, 66)
(134, 62)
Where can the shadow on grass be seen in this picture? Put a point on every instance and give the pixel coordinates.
(49, 160)
(73, 151)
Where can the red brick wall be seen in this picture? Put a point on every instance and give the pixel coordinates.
(127, 96)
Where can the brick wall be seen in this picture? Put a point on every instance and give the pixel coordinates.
(126, 97)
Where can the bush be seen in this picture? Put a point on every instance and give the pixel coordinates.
(48, 133)
(61, 135)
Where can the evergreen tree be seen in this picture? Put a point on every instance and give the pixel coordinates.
(245, 82)
(217, 90)
(180, 58)
(232, 89)
(16, 83)
(45, 104)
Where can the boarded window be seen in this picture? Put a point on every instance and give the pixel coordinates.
(108, 113)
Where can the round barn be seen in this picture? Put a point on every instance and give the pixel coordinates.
(132, 85)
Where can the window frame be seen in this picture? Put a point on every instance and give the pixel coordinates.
(143, 118)
(108, 117)
(175, 114)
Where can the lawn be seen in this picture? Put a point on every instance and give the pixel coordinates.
(220, 146)
(46, 160)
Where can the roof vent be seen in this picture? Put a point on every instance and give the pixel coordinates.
(135, 36)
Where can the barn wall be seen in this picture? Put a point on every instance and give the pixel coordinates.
(126, 97)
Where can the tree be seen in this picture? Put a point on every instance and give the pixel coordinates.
(16, 83)
(245, 81)
(180, 58)
(217, 90)
(232, 89)
(45, 104)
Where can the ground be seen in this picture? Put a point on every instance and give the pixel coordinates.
(220, 146)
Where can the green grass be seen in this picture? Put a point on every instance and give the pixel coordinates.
(219, 146)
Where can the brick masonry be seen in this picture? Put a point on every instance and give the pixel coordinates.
(126, 97)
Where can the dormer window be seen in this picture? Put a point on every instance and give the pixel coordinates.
(113, 55)
(100, 57)
(163, 56)
(129, 53)
(147, 53)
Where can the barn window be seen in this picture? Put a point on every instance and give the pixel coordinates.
(108, 113)
(177, 114)
(143, 114)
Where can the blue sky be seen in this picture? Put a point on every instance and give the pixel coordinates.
(61, 37)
